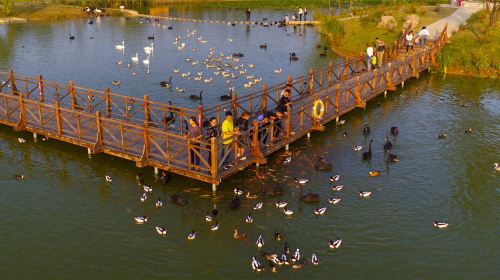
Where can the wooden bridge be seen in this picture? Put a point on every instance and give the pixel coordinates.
(153, 134)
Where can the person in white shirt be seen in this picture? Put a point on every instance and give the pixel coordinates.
(301, 12)
(409, 41)
(369, 55)
(424, 33)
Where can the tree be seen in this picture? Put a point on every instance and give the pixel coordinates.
(492, 8)
(7, 6)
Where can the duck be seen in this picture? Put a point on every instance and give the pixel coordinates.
(277, 236)
(340, 122)
(256, 266)
(392, 157)
(141, 219)
(21, 140)
(121, 47)
(238, 191)
(166, 84)
(208, 217)
(366, 130)
(320, 211)
(293, 57)
(368, 155)
(19, 176)
(192, 235)
(335, 244)
(287, 212)
(296, 255)
(108, 178)
(176, 71)
(215, 226)
(440, 225)
(287, 160)
(147, 188)
(208, 81)
(178, 200)
(314, 259)
(251, 196)
(441, 136)
(239, 236)
(161, 230)
(374, 173)
(496, 166)
(334, 178)
(71, 37)
(260, 242)
(337, 188)
(258, 206)
(196, 97)
(281, 204)
(180, 90)
(278, 71)
(251, 65)
(394, 130)
(166, 176)
(365, 194)
(308, 197)
(333, 200)
(301, 181)
(249, 219)
(284, 259)
(159, 202)
(468, 130)
(272, 264)
(286, 249)
(151, 37)
(357, 148)
(144, 196)
(388, 144)
(263, 46)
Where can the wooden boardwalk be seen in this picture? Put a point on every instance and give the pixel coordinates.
(153, 134)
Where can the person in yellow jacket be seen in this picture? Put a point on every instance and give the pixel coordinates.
(227, 139)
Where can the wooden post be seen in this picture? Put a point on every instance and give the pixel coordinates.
(251, 103)
(414, 67)
(321, 78)
(72, 94)
(235, 105)
(213, 156)
(200, 116)
(374, 82)
(301, 117)
(271, 131)
(126, 108)
(311, 80)
(326, 105)
(288, 122)
(146, 110)
(13, 87)
(403, 69)
(40, 115)
(146, 140)
(337, 99)
(330, 72)
(78, 126)
(58, 119)
(22, 108)
(290, 80)
(41, 88)
(256, 153)
(389, 83)
(98, 123)
(264, 97)
(108, 102)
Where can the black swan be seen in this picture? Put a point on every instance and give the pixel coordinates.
(366, 130)
(368, 155)
(166, 84)
(388, 144)
(196, 97)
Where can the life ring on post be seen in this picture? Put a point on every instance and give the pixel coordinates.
(318, 115)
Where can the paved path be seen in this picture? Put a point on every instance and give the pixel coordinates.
(454, 21)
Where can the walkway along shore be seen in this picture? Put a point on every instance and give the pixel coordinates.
(141, 131)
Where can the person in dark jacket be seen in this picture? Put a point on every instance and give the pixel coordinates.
(212, 132)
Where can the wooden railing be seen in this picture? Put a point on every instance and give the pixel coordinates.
(102, 124)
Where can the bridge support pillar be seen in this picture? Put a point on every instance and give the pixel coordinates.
(308, 135)
(89, 151)
(156, 171)
(257, 164)
(214, 188)
(287, 147)
(35, 137)
(385, 94)
(402, 84)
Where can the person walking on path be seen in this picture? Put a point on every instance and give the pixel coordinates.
(248, 14)
(409, 41)
(424, 33)
(194, 134)
(369, 55)
(301, 13)
(380, 45)
(227, 139)
(212, 132)
(305, 14)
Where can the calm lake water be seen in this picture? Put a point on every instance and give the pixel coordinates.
(65, 221)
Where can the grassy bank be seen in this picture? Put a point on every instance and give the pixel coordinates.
(473, 51)
(358, 32)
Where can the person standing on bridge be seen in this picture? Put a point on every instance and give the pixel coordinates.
(194, 134)
(305, 14)
(380, 51)
(301, 13)
(248, 14)
(409, 41)
(227, 139)
(424, 33)
(242, 123)
(369, 55)
(212, 132)
(284, 104)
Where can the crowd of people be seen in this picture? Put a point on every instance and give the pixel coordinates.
(229, 130)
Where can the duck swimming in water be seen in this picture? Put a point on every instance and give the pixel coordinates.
(287, 212)
(441, 136)
(281, 204)
(496, 166)
(365, 194)
(394, 130)
(440, 225)
(161, 230)
(215, 226)
(239, 236)
(208, 217)
(260, 242)
(147, 189)
(256, 266)
(335, 244)
(392, 157)
(357, 148)
(320, 211)
(368, 155)
(144, 196)
(19, 176)
(141, 219)
(468, 130)
(296, 255)
(249, 219)
(258, 206)
(287, 160)
(301, 181)
(388, 144)
(159, 202)
(366, 130)
(374, 173)
(337, 188)
(108, 178)
(314, 259)
(238, 191)
(334, 178)
(251, 196)
(192, 235)
(277, 236)
(334, 200)
(21, 140)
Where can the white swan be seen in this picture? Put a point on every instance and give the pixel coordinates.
(146, 61)
(149, 50)
(121, 47)
(135, 58)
